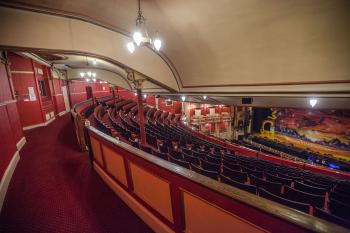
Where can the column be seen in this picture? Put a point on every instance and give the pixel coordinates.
(141, 116)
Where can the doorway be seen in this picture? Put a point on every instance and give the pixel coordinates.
(65, 98)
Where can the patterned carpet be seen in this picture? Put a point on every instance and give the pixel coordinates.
(54, 189)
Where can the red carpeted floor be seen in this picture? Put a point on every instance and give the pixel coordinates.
(54, 189)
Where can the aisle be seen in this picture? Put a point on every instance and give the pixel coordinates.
(54, 189)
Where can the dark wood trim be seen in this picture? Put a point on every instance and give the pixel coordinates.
(66, 14)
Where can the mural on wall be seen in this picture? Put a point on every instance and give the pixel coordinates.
(325, 127)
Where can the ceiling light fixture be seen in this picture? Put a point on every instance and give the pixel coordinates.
(94, 79)
(145, 96)
(87, 80)
(183, 98)
(89, 74)
(313, 102)
(204, 97)
(140, 36)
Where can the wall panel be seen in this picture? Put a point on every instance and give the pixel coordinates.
(153, 190)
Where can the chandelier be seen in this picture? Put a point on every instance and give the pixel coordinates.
(140, 36)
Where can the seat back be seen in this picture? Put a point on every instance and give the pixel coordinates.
(210, 166)
(191, 159)
(245, 187)
(293, 204)
(296, 195)
(180, 162)
(272, 187)
(212, 159)
(331, 217)
(285, 181)
(235, 175)
(338, 208)
(309, 189)
(208, 173)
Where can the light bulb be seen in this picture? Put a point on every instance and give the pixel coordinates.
(135, 94)
(183, 98)
(89, 73)
(131, 47)
(82, 74)
(94, 79)
(157, 44)
(137, 38)
(100, 82)
(204, 97)
(145, 96)
(313, 102)
(94, 74)
(87, 80)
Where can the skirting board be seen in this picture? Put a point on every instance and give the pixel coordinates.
(39, 125)
(21, 143)
(5, 181)
(62, 113)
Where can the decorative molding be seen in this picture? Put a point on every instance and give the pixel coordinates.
(21, 143)
(39, 125)
(7, 102)
(6, 178)
(21, 72)
(270, 84)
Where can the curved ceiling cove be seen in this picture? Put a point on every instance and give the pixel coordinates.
(42, 32)
(241, 46)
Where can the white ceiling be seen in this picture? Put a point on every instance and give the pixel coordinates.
(239, 44)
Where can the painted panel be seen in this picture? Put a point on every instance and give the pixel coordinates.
(14, 120)
(153, 190)
(115, 165)
(7, 145)
(29, 111)
(5, 91)
(201, 216)
(96, 149)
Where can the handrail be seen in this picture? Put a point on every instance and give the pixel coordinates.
(290, 215)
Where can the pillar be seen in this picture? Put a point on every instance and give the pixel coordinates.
(141, 116)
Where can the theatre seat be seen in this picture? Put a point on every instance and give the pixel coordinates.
(309, 189)
(340, 196)
(210, 166)
(304, 207)
(339, 208)
(296, 195)
(208, 173)
(331, 217)
(245, 187)
(180, 162)
(272, 187)
(191, 159)
(277, 179)
(232, 166)
(212, 159)
(160, 155)
(234, 174)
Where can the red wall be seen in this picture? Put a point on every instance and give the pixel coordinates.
(23, 77)
(175, 108)
(77, 90)
(10, 127)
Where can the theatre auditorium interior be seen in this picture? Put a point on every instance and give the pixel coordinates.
(183, 116)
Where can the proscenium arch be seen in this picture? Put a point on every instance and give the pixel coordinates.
(32, 31)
